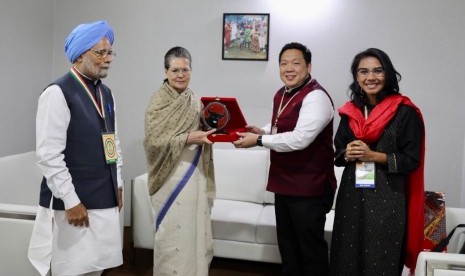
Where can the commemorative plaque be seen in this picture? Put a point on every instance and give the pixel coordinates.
(224, 115)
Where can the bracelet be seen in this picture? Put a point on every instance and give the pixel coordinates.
(345, 157)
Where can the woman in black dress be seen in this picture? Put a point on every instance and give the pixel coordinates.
(378, 222)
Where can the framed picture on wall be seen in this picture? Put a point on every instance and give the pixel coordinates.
(246, 36)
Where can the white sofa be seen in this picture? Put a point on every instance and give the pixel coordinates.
(19, 182)
(20, 179)
(451, 263)
(243, 219)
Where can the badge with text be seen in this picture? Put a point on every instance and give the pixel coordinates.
(109, 147)
(365, 175)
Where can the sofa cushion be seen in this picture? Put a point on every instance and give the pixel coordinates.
(235, 220)
(240, 174)
(21, 177)
(266, 226)
(269, 198)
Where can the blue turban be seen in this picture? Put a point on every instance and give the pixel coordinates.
(85, 36)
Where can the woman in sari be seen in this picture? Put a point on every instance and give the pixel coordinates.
(378, 223)
(180, 173)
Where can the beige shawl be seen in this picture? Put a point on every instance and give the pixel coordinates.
(169, 118)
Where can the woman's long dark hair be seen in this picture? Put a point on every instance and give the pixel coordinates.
(392, 77)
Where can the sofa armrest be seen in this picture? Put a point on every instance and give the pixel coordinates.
(142, 214)
(20, 173)
(18, 211)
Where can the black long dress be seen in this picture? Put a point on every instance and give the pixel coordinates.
(370, 224)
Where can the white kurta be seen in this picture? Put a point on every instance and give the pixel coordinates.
(78, 250)
(73, 250)
(183, 239)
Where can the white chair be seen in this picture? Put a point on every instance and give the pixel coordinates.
(435, 263)
(451, 263)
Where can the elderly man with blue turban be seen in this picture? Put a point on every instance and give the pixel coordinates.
(77, 229)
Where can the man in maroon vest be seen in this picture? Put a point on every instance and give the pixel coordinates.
(301, 163)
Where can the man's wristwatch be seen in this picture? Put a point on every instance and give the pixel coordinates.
(259, 141)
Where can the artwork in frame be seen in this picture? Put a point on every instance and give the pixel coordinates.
(246, 36)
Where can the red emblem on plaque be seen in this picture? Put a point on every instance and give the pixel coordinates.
(215, 116)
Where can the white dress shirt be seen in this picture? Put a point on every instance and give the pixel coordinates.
(314, 115)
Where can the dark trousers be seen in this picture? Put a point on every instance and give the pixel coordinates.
(300, 225)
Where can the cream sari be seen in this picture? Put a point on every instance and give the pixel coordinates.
(180, 184)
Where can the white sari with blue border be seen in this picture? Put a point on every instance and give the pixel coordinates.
(183, 237)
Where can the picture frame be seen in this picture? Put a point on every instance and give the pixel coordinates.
(246, 36)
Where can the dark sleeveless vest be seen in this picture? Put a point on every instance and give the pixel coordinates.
(306, 172)
(94, 180)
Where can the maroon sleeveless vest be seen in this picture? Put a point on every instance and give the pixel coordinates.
(306, 172)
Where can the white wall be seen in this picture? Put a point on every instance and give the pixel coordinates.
(423, 37)
(26, 33)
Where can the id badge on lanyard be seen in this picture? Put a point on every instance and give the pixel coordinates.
(365, 171)
(109, 147)
(365, 175)
(274, 130)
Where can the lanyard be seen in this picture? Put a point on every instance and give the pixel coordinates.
(100, 109)
(281, 108)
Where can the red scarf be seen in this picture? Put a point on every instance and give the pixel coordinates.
(369, 131)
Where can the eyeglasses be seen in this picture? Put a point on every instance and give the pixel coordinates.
(184, 71)
(102, 54)
(378, 71)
